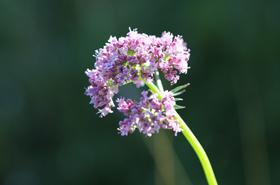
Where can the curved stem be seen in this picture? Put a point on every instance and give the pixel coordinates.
(200, 152)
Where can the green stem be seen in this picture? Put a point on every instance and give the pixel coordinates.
(200, 152)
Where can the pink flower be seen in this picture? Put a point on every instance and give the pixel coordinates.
(149, 115)
(135, 58)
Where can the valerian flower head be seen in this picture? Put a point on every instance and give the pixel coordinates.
(136, 58)
(148, 115)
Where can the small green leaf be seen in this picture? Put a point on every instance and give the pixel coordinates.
(125, 64)
(166, 58)
(130, 52)
(110, 82)
(176, 89)
(178, 99)
(179, 93)
(179, 107)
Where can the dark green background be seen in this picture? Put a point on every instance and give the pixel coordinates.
(49, 135)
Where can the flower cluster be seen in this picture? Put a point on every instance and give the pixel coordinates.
(134, 58)
(148, 115)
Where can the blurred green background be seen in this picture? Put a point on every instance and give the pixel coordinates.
(50, 135)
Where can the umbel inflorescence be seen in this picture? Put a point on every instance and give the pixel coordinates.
(137, 58)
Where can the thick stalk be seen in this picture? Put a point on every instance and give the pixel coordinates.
(200, 152)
